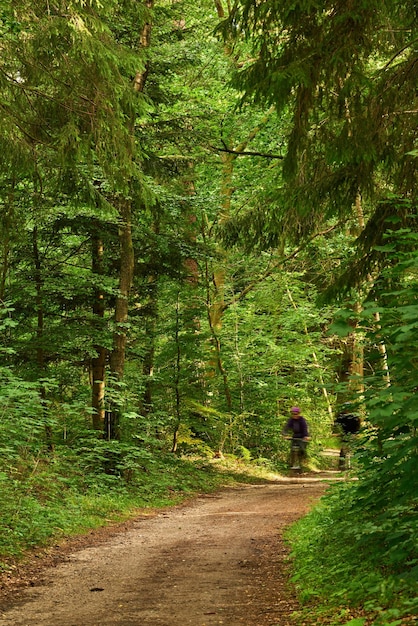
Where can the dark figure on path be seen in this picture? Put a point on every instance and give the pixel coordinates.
(349, 425)
(298, 426)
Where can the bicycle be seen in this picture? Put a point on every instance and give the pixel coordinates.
(346, 451)
(297, 453)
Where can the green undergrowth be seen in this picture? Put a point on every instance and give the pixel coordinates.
(44, 500)
(345, 555)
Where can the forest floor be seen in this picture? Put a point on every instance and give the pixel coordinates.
(216, 559)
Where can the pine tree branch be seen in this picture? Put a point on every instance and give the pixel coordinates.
(399, 52)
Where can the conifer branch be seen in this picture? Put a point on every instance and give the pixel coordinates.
(399, 52)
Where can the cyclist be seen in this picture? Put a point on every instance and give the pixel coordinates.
(298, 426)
(349, 425)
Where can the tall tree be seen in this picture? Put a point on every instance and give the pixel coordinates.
(68, 79)
(345, 75)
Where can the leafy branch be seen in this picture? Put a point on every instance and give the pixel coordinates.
(239, 153)
(242, 294)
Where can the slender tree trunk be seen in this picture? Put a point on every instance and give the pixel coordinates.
(117, 357)
(356, 369)
(357, 361)
(4, 266)
(216, 345)
(381, 346)
(6, 227)
(98, 363)
(217, 302)
(148, 362)
(127, 261)
(239, 365)
(150, 330)
(353, 362)
(144, 42)
(40, 352)
(220, 367)
(192, 279)
(177, 378)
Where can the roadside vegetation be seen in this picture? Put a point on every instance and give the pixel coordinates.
(55, 499)
(359, 547)
(354, 565)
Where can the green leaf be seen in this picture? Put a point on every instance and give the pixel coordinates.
(341, 328)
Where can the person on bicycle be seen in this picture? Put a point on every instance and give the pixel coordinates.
(298, 426)
(348, 424)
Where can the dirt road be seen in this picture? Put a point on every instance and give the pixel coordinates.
(219, 559)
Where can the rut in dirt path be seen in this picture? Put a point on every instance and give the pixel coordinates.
(217, 560)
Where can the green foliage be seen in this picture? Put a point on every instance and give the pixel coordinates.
(342, 553)
(359, 546)
(243, 453)
(22, 419)
(333, 73)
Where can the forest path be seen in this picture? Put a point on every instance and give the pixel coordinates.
(218, 559)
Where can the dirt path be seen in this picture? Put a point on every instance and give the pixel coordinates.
(219, 559)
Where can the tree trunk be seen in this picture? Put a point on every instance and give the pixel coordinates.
(98, 363)
(356, 370)
(4, 264)
(144, 42)
(217, 302)
(150, 330)
(117, 357)
(7, 229)
(40, 352)
(177, 378)
(216, 365)
(238, 361)
(127, 261)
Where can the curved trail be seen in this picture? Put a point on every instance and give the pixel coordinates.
(219, 559)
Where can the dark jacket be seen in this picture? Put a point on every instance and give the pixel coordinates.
(349, 423)
(299, 427)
